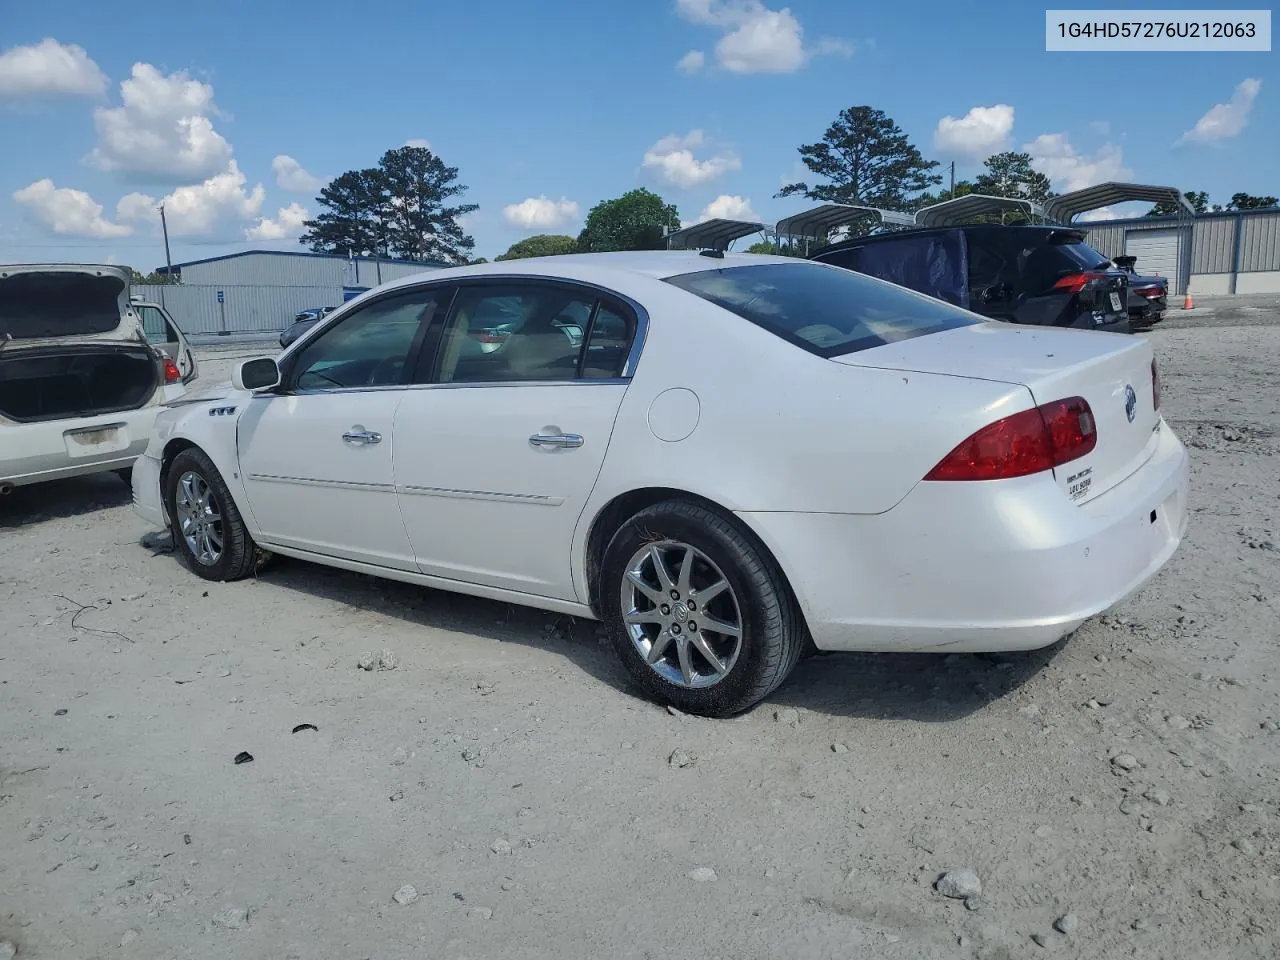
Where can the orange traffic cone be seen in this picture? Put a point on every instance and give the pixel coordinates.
(1186, 301)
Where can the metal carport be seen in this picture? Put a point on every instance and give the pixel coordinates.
(1066, 208)
(817, 223)
(964, 209)
(712, 234)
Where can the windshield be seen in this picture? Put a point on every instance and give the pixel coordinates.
(826, 310)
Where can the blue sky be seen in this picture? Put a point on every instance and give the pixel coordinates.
(235, 113)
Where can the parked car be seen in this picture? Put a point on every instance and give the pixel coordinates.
(303, 322)
(741, 454)
(79, 383)
(1042, 276)
(163, 333)
(1148, 295)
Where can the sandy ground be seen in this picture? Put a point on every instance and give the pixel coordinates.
(506, 772)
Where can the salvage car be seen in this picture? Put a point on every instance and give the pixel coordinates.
(164, 334)
(1040, 276)
(1148, 295)
(79, 383)
(740, 456)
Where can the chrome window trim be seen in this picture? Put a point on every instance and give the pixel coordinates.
(603, 381)
(628, 370)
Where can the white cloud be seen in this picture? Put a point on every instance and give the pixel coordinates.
(1102, 213)
(287, 224)
(692, 61)
(540, 213)
(729, 208)
(68, 212)
(290, 175)
(161, 129)
(754, 38)
(1053, 155)
(199, 209)
(1225, 120)
(672, 158)
(979, 133)
(417, 142)
(50, 69)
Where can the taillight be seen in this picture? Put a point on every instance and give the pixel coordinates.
(1075, 282)
(1151, 292)
(1022, 444)
(1155, 385)
(171, 372)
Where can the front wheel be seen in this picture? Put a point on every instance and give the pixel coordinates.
(700, 615)
(207, 527)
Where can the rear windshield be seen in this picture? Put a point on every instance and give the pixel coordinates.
(826, 310)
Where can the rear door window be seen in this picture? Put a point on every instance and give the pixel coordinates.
(821, 309)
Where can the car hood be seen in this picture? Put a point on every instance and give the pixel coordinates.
(46, 302)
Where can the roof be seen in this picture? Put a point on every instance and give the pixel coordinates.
(603, 268)
(1070, 205)
(1075, 229)
(819, 221)
(714, 234)
(425, 264)
(962, 210)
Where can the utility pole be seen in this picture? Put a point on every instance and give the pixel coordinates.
(168, 262)
(953, 179)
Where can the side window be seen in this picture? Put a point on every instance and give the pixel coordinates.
(608, 345)
(369, 348)
(513, 332)
(154, 326)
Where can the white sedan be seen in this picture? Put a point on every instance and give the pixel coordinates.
(732, 456)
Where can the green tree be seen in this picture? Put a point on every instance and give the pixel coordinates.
(633, 221)
(1245, 201)
(353, 218)
(963, 188)
(421, 222)
(540, 245)
(776, 249)
(865, 158)
(1198, 199)
(400, 208)
(1010, 174)
(136, 277)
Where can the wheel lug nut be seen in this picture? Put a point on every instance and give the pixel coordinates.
(693, 626)
(675, 594)
(665, 610)
(675, 628)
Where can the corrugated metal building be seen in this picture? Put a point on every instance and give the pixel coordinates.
(260, 291)
(1236, 252)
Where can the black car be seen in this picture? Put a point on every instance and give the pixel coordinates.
(304, 322)
(1043, 276)
(1148, 296)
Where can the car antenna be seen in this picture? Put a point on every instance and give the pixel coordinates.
(717, 254)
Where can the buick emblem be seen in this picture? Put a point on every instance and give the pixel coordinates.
(1130, 402)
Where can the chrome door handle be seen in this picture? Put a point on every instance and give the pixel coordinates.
(362, 436)
(565, 440)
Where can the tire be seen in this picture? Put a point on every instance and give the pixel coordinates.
(236, 556)
(770, 629)
(126, 474)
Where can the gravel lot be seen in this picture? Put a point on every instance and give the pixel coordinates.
(503, 770)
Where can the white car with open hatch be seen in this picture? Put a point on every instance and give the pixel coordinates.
(722, 456)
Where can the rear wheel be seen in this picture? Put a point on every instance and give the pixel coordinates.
(699, 613)
(207, 527)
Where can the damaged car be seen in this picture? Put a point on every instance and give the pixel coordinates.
(80, 385)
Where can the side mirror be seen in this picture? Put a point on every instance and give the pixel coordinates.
(261, 373)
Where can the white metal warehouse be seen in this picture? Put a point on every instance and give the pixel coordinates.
(260, 291)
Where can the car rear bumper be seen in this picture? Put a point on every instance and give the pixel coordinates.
(147, 499)
(55, 449)
(983, 566)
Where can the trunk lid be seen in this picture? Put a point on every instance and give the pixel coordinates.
(48, 302)
(1111, 371)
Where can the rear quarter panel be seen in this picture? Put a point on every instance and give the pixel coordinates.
(779, 429)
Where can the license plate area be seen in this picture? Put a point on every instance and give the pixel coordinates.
(96, 441)
(1115, 301)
